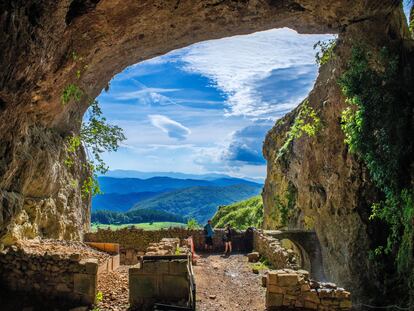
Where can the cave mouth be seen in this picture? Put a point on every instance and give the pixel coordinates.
(206, 108)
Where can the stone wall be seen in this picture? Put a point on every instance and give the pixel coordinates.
(61, 278)
(50, 276)
(159, 281)
(293, 289)
(271, 248)
(134, 242)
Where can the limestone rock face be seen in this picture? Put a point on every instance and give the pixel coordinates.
(333, 190)
(44, 44)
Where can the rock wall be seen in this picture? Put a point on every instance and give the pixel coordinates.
(333, 193)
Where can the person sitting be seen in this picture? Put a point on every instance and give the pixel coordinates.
(208, 234)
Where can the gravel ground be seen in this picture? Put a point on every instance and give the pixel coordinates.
(114, 287)
(223, 284)
(228, 284)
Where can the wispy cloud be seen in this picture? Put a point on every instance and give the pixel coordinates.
(172, 128)
(238, 64)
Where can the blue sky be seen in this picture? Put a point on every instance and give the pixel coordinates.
(207, 107)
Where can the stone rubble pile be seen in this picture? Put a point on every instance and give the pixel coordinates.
(60, 249)
(167, 246)
(293, 289)
(271, 248)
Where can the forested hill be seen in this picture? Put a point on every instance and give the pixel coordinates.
(199, 202)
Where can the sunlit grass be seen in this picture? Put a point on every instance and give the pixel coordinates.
(145, 226)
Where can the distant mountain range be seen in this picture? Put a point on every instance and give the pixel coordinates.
(161, 184)
(119, 202)
(178, 198)
(200, 203)
(146, 175)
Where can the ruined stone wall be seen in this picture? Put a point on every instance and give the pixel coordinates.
(134, 242)
(293, 289)
(159, 281)
(271, 248)
(67, 279)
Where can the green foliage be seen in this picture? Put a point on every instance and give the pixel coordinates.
(240, 215)
(286, 205)
(99, 297)
(263, 264)
(193, 224)
(90, 187)
(72, 145)
(411, 20)
(377, 128)
(96, 135)
(99, 136)
(325, 52)
(306, 121)
(71, 92)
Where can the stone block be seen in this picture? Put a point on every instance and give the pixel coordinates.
(310, 305)
(264, 280)
(142, 286)
(289, 300)
(103, 267)
(274, 300)
(311, 296)
(173, 287)
(299, 303)
(345, 304)
(272, 277)
(178, 267)
(91, 265)
(85, 285)
(271, 288)
(305, 288)
(253, 257)
(304, 273)
(288, 279)
(155, 267)
(62, 287)
(115, 262)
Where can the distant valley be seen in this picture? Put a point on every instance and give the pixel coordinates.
(163, 198)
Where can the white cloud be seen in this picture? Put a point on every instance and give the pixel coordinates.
(172, 128)
(237, 64)
(143, 92)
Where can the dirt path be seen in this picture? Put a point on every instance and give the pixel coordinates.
(223, 284)
(228, 284)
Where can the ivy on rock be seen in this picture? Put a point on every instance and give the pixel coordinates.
(378, 128)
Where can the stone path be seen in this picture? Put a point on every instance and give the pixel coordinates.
(228, 284)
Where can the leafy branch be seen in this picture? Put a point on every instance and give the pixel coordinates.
(307, 121)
